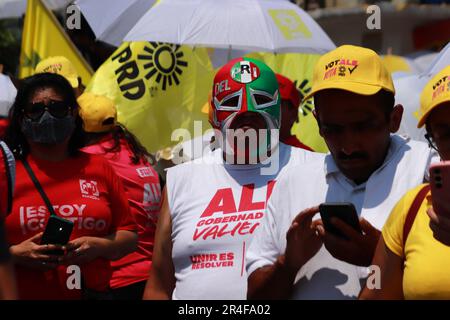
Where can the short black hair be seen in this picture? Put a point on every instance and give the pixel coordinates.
(387, 101)
(27, 87)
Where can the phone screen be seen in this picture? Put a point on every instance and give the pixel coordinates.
(344, 211)
(57, 231)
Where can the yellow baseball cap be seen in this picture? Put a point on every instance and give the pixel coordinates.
(60, 65)
(435, 92)
(351, 68)
(99, 113)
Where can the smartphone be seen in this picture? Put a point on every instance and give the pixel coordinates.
(341, 210)
(440, 187)
(57, 231)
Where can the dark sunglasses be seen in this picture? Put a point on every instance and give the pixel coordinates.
(58, 109)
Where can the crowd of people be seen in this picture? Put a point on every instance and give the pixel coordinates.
(243, 221)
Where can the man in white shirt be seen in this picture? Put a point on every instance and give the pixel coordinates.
(213, 206)
(293, 256)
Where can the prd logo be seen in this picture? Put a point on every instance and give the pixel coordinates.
(89, 188)
(164, 62)
(303, 89)
(245, 72)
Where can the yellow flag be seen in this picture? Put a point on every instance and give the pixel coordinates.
(43, 37)
(299, 68)
(157, 88)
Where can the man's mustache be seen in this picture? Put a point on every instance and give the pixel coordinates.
(352, 156)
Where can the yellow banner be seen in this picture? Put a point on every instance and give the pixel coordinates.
(299, 68)
(43, 37)
(157, 88)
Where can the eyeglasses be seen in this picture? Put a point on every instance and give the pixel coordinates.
(431, 141)
(58, 109)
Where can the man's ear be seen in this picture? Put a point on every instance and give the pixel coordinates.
(395, 118)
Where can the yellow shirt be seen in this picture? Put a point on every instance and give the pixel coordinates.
(427, 262)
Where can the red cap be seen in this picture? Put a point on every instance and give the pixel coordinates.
(288, 91)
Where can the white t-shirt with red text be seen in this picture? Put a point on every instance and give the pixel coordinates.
(216, 209)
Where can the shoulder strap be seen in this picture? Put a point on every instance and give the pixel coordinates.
(413, 210)
(7, 167)
(38, 187)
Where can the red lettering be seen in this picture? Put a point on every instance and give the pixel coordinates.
(253, 228)
(209, 265)
(247, 203)
(270, 186)
(330, 73)
(212, 232)
(198, 234)
(223, 201)
(242, 229)
(438, 91)
(200, 223)
(223, 231)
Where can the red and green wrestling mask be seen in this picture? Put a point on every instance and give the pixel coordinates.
(245, 96)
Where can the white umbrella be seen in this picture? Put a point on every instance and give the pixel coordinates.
(16, 8)
(12, 8)
(111, 20)
(7, 94)
(424, 61)
(407, 93)
(254, 25)
(440, 61)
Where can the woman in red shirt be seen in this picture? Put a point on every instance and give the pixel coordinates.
(46, 131)
(129, 159)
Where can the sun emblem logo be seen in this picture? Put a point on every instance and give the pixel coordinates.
(303, 89)
(165, 62)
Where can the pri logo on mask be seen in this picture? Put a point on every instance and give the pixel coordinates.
(89, 189)
(245, 72)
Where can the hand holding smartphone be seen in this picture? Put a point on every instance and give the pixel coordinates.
(344, 211)
(440, 187)
(57, 231)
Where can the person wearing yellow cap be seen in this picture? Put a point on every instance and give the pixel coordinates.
(62, 66)
(414, 251)
(368, 166)
(129, 159)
